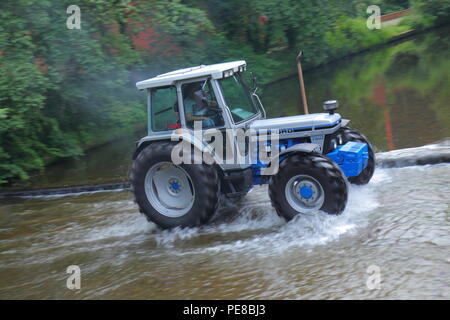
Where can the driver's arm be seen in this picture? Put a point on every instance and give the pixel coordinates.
(189, 112)
(191, 117)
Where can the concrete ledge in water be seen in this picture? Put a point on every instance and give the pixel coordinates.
(68, 190)
(429, 154)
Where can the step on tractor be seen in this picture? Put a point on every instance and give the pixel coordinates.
(314, 156)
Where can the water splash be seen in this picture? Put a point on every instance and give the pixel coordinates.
(274, 233)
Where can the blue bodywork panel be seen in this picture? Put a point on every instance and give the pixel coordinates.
(256, 168)
(352, 157)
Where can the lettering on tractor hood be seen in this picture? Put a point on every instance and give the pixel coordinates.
(296, 123)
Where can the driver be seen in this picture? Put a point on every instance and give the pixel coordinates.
(195, 106)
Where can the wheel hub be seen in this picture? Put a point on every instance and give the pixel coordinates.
(304, 193)
(174, 185)
(169, 189)
(307, 191)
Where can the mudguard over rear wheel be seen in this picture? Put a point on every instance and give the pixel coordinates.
(169, 195)
(307, 183)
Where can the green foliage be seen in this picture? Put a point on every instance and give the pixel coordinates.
(59, 87)
(351, 35)
(430, 13)
(23, 126)
(386, 6)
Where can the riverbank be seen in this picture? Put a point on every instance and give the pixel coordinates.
(389, 34)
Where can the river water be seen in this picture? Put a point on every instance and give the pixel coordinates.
(397, 224)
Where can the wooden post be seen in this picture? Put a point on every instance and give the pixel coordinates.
(302, 84)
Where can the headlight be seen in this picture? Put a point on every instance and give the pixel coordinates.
(334, 144)
(227, 73)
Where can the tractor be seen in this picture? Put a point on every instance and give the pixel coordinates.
(314, 157)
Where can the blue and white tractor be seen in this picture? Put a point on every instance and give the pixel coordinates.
(313, 156)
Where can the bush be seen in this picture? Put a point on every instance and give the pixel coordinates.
(351, 35)
(431, 12)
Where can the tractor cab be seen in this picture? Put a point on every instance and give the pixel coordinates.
(217, 95)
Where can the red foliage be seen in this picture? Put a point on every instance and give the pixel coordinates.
(263, 19)
(145, 39)
(154, 43)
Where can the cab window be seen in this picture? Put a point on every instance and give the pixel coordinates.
(164, 109)
(200, 104)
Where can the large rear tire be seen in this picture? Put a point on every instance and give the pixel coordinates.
(348, 134)
(185, 195)
(307, 183)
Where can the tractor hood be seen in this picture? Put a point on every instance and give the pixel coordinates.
(314, 121)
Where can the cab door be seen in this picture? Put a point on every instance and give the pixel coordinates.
(237, 138)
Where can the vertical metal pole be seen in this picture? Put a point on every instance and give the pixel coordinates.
(149, 110)
(302, 84)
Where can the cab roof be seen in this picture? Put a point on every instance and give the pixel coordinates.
(216, 71)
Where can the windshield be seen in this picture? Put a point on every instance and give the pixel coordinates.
(237, 98)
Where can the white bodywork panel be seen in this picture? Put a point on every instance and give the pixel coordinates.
(313, 121)
(214, 70)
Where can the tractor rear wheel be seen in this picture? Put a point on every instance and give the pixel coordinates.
(170, 195)
(346, 134)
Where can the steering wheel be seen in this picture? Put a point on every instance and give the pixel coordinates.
(212, 111)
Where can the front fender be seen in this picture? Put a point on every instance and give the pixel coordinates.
(301, 147)
(344, 122)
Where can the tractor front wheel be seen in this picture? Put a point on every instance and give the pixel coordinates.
(307, 183)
